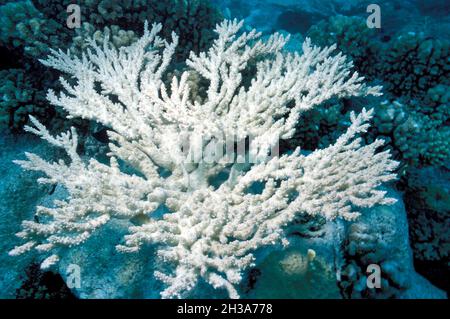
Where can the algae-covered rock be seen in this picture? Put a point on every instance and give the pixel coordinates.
(380, 237)
(19, 194)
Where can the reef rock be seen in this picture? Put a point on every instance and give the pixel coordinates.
(18, 200)
(331, 260)
(380, 237)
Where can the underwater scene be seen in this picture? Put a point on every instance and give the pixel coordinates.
(253, 149)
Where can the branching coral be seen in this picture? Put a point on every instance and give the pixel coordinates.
(414, 121)
(28, 29)
(321, 126)
(192, 20)
(352, 37)
(210, 230)
(119, 37)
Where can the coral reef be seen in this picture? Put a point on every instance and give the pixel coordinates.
(427, 199)
(192, 20)
(285, 220)
(28, 29)
(16, 97)
(419, 132)
(25, 36)
(119, 37)
(414, 71)
(380, 237)
(23, 95)
(320, 126)
(23, 27)
(353, 38)
(412, 64)
(208, 231)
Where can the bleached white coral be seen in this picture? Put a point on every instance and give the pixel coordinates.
(211, 230)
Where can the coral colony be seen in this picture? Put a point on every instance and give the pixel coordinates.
(31, 28)
(242, 89)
